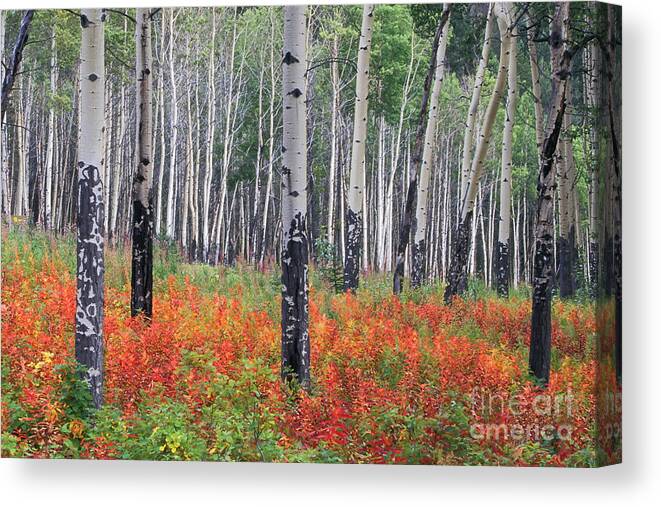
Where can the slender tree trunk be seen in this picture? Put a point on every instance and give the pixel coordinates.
(504, 219)
(419, 256)
(540, 334)
(354, 216)
(536, 88)
(90, 268)
(50, 154)
(294, 260)
(407, 219)
(143, 208)
(169, 217)
(469, 132)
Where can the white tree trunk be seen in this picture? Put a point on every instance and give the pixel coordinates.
(169, 217)
(355, 198)
(420, 229)
(504, 219)
(294, 260)
(90, 270)
(469, 132)
(143, 209)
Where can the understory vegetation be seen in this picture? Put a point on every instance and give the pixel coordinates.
(394, 380)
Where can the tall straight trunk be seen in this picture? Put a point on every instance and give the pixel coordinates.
(457, 279)
(50, 154)
(230, 116)
(504, 219)
(294, 254)
(415, 157)
(169, 217)
(354, 216)
(332, 169)
(269, 176)
(143, 206)
(593, 95)
(211, 134)
(469, 131)
(161, 107)
(540, 331)
(419, 256)
(90, 269)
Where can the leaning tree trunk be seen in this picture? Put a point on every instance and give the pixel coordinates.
(540, 332)
(143, 208)
(407, 218)
(469, 131)
(420, 226)
(354, 229)
(11, 71)
(294, 260)
(504, 219)
(457, 277)
(90, 269)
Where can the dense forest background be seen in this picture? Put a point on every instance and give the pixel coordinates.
(217, 131)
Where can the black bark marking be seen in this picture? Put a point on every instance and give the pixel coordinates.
(353, 237)
(89, 346)
(84, 22)
(503, 269)
(418, 271)
(296, 93)
(93, 77)
(295, 338)
(289, 59)
(142, 258)
(458, 275)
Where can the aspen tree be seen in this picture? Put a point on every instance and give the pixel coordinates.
(469, 131)
(294, 254)
(420, 229)
(504, 219)
(90, 236)
(143, 207)
(543, 271)
(354, 215)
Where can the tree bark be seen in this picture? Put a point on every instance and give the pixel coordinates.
(294, 254)
(90, 269)
(504, 219)
(354, 216)
(143, 208)
(540, 333)
(419, 254)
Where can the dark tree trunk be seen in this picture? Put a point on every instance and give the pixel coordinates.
(416, 159)
(503, 269)
(353, 237)
(17, 55)
(565, 267)
(543, 266)
(295, 337)
(418, 263)
(458, 274)
(89, 279)
(142, 259)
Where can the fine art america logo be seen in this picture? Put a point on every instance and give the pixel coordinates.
(542, 417)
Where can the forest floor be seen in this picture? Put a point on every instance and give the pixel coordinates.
(394, 380)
